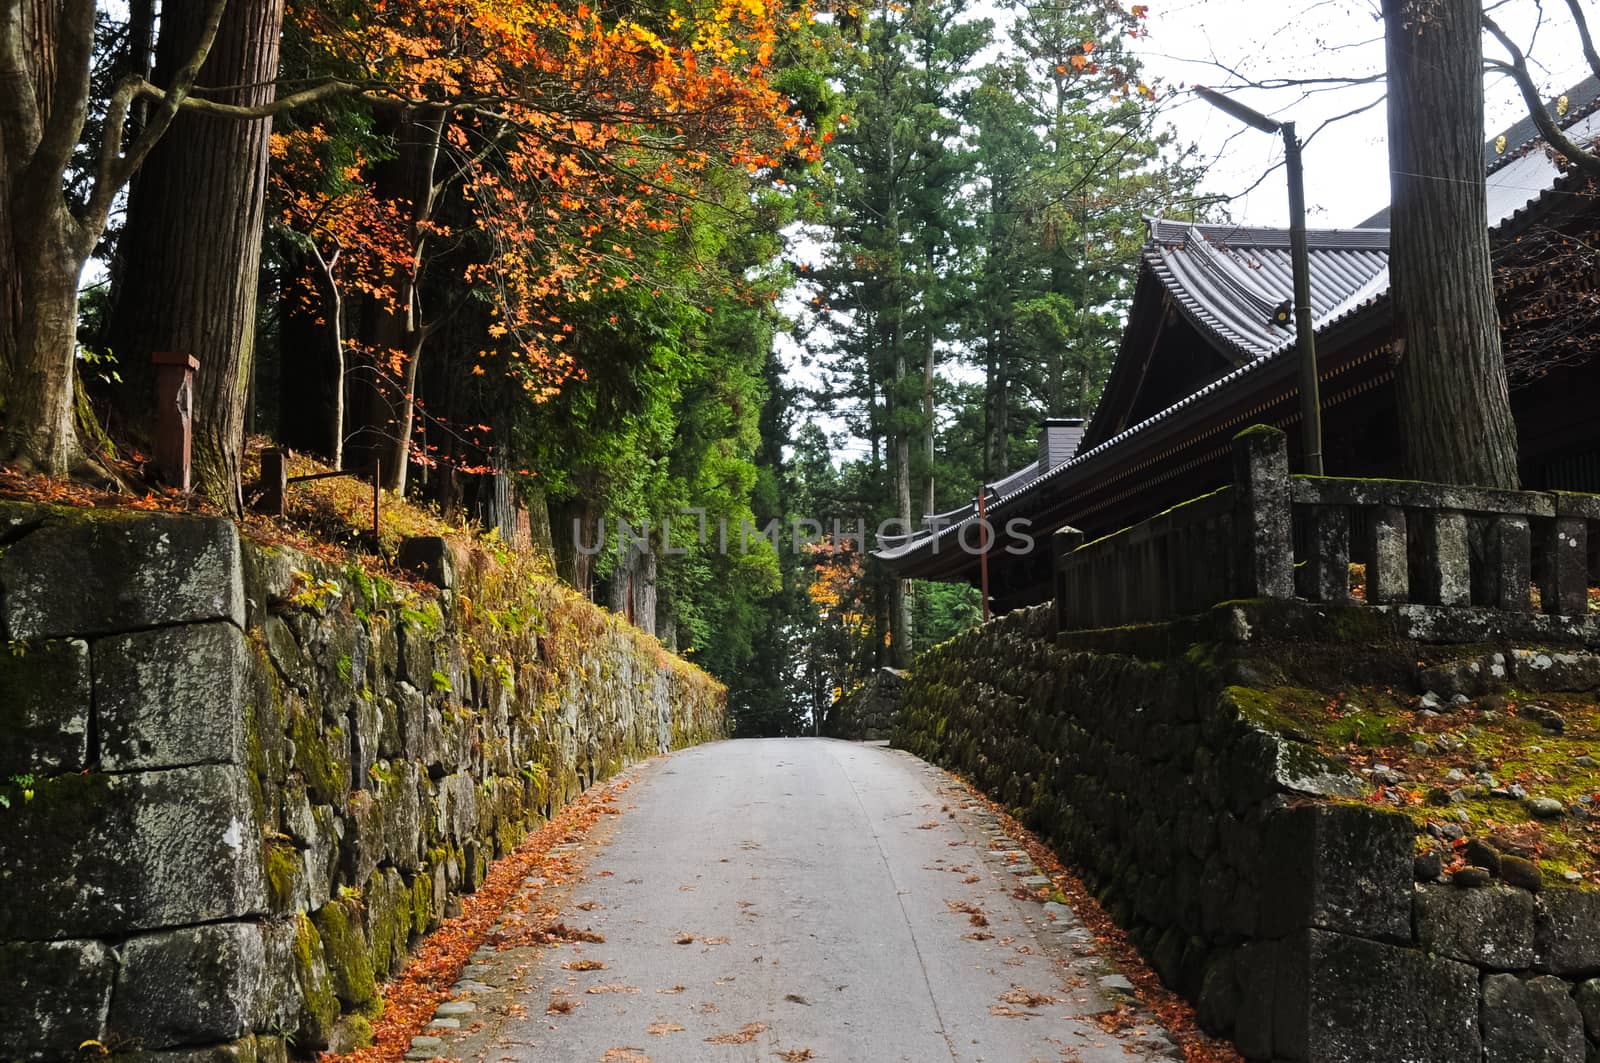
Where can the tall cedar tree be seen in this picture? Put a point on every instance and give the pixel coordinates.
(1455, 408)
(191, 250)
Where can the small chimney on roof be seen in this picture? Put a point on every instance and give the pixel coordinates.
(1058, 441)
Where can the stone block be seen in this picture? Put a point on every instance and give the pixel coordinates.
(44, 712)
(170, 698)
(1545, 672)
(1565, 588)
(1530, 1020)
(189, 986)
(56, 997)
(1588, 998)
(388, 920)
(1470, 677)
(95, 855)
(318, 1006)
(458, 807)
(429, 556)
(1569, 933)
(1491, 927)
(244, 1050)
(1219, 992)
(1261, 480)
(1256, 980)
(1441, 558)
(344, 945)
(1342, 999)
(284, 650)
(96, 572)
(1336, 867)
(1388, 570)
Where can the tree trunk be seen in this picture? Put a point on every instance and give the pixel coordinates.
(927, 417)
(1455, 411)
(387, 408)
(40, 430)
(193, 238)
(38, 33)
(19, 278)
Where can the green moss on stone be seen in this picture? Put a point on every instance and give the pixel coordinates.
(314, 761)
(282, 864)
(321, 1005)
(349, 962)
(422, 901)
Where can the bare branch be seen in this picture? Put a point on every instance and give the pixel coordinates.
(1517, 70)
(1582, 22)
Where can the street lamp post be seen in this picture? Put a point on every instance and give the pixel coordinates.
(1305, 340)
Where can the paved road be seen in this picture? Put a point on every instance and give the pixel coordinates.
(759, 899)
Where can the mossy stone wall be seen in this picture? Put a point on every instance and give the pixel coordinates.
(237, 782)
(1252, 871)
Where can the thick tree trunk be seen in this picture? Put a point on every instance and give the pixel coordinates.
(1454, 408)
(38, 33)
(40, 430)
(192, 245)
(36, 293)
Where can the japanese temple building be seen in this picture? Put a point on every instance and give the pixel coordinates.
(1202, 358)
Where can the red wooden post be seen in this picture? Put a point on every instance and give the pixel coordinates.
(174, 414)
(274, 482)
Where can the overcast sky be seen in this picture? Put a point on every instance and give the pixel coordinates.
(1346, 162)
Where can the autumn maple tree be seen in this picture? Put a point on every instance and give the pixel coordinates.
(565, 142)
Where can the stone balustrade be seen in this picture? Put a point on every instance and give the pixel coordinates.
(1273, 535)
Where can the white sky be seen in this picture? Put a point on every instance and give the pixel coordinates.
(1347, 162)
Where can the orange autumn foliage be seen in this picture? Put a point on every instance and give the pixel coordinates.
(577, 135)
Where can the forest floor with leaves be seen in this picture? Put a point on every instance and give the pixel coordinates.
(1176, 1015)
(329, 518)
(511, 891)
(1517, 770)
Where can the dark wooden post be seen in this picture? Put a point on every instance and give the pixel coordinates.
(174, 415)
(274, 482)
(983, 551)
(1264, 513)
(1063, 543)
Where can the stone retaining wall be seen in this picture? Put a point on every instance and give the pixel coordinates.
(867, 713)
(236, 782)
(1246, 866)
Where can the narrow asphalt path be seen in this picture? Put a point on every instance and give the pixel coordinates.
(797, 899)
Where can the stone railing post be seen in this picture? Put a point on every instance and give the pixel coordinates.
(1330, 554)
(1264, 513)
(1565, 589)
(1062, 544)
(1511, 554)
(1388, 566)
(1445, 556)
